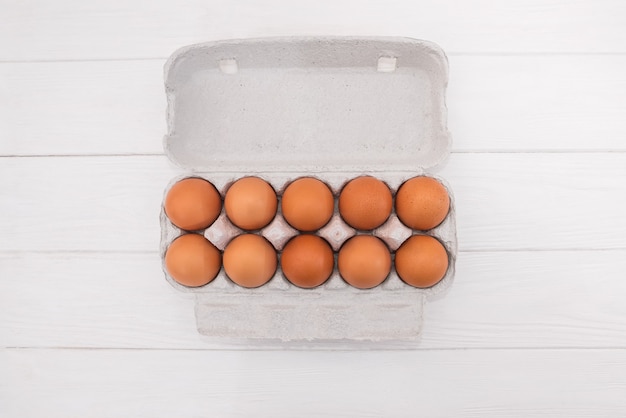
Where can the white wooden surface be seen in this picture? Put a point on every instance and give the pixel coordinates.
(534, 325)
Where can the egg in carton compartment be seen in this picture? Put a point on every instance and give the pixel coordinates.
(329, 108)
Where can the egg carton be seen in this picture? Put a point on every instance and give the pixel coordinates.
(330, 108)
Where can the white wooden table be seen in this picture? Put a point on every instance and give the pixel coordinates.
(535, 324)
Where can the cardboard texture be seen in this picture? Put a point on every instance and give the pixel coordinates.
(331, 108)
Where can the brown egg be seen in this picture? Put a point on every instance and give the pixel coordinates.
(422, 203)
(193, 204)
(365, 203)
(250, 203)
(307, 261)
(192, 260)
(421, 261)
(364, 261)
(307, 204)
(250, 260)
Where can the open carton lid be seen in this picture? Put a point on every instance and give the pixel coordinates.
(307, 104)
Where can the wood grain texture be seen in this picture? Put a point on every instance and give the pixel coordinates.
(534, 325)
(114, 29)
(74, 108)
(504, 201)
(502, 103)
(476, 383)
(541, 103)
(499, 300)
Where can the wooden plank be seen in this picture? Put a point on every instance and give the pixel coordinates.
(155, 383)
(504, 103)
(532, 299)
(498, 300)
(541, 103)
(113, 107)
(114, 29)
(504, 201)
(83, 203)
(92, 300)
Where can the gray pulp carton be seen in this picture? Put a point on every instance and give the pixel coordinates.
(331, 108)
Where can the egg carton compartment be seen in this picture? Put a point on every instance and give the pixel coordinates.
(333, 311)
(331, 108)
